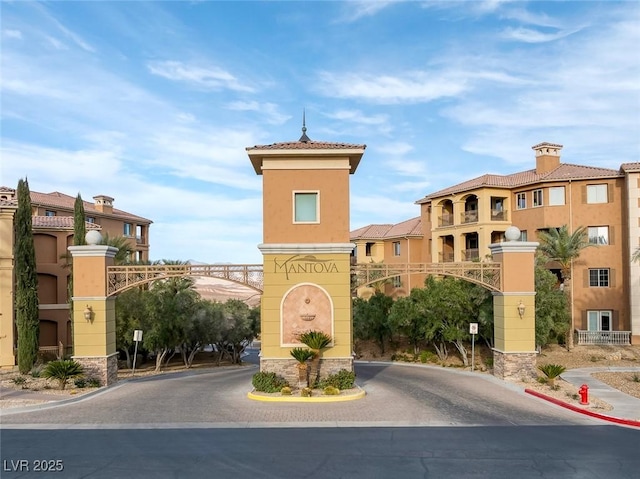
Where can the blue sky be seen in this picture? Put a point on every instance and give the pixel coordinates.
(154, 103)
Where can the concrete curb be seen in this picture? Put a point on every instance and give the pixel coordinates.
(626, 422)
(312, 399)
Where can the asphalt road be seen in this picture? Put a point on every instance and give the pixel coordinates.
(414, 422)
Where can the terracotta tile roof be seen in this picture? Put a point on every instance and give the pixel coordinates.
(563, 172)
(6, 189)
(370, 232)
(630, 167)
(412, 227)
(59, 222)
(60, 200)
(307, 145)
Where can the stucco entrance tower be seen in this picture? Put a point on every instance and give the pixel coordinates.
(306, 249)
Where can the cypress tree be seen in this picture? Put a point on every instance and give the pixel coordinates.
(79, 226)
(26, 292)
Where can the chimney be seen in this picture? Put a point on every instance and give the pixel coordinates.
(547, 157)
(104, 204)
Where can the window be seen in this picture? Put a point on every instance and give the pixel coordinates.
(599, 320)
(305, 207)
(521, 201)
(556, 196)
(537, 198)
(49, 213)
(90, 219)
(599, 234)
(127, 229)
(368, 248)
(597, 194)
(396, 248)
(523, 235)
(599, 278)
(396, 282)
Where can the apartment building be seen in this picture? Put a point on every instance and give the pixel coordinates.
(459, 223)
(52, 220)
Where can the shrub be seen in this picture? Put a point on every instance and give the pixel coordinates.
(343, 379)
(331, 391)
(426, 356)
(61, 370)
(94, 383)
(306, 392)
(268, 382)
(636, 378)
(19, 380)
(36, 371)
(552, 371)
(488, 362)
(80, 383)
(286, 391)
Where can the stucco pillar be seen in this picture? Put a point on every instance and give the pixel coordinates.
(7, 335)
(514, 353)
(94, 340)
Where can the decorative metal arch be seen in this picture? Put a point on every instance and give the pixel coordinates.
(121, 278)
(485, 274)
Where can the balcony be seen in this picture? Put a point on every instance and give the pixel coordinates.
(472, 254)
(499, 215)
(446, 257)
(604, 337)
(470, 216)
(445, 220)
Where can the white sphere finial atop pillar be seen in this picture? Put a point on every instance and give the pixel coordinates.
(512, 233)
(93, 237)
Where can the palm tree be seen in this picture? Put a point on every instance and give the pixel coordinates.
(316, 341)
(302, 355)
(123, 256)
(635, 257)
(563, 247)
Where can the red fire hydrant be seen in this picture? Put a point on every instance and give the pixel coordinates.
(584, 394)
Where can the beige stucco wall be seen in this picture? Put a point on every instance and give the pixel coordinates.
(633, 219)
(7, 338)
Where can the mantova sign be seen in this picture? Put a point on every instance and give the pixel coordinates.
(304, 264)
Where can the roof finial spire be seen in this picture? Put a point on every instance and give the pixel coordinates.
(304, 138)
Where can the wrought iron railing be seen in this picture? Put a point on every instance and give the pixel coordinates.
(120, 278)
(471, 254)
(604, 337)
(469, 216)
(483, 273)
(445, 220)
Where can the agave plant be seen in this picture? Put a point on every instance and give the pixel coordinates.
(302, 355)
(316, 341)
(551, 371)
(62, 370)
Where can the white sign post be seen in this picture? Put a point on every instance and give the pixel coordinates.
(473, 330)
(137, 337)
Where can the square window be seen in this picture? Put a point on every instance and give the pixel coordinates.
(599, 320)
(49, 213)
(597, 194)
(127, 229)
(598, 234)
(521, 201)
(90, 219)
(537, 198)
(556, 196)
(599, 278)
(523, 235)
(396, 248)
(397, 283)
(306, 207)
(368, 249)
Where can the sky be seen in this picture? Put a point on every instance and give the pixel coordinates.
(155, 103)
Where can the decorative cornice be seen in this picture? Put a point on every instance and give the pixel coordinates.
(93, 250)
(298, 248)
(514, 247)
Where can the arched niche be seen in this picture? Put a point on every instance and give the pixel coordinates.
(305, 307)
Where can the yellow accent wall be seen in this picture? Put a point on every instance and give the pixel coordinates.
(7, 359)
(331, 272)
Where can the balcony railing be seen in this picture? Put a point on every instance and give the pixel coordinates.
(469, 216)
(471, 254)
(446, 257)
(445, 220)
(604, 337)
(499, 215)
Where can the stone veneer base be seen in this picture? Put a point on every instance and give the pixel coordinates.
(514, 366)
(287, 368)
(105, 368)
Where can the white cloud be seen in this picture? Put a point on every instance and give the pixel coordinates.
(206, 77)
(271, 111)
(10, 33)
(357, 116)
(412, 87)
(395, 148)
(529, 35)
(357, 9)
